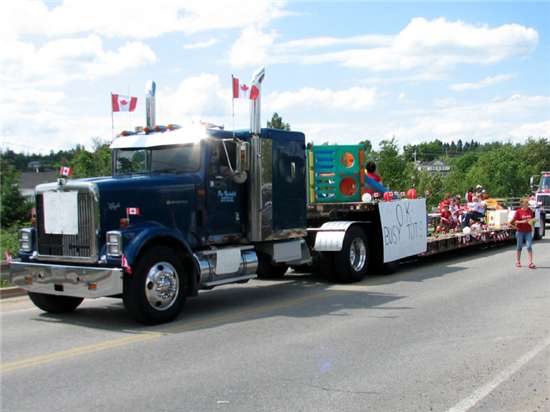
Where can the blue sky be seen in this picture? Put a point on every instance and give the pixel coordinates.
(339, 71)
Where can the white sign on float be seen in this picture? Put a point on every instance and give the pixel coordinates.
(61, 213)
(403, 228)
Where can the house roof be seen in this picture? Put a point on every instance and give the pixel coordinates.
(29, 180)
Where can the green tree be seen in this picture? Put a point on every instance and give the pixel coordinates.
(95, 163)
(276, 122)
(13, 206)
(392, 166)
(368, 145)
(432, 183)
(497, 171)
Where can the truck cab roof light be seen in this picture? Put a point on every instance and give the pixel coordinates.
(126, 133)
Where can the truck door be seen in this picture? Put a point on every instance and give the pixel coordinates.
(224, 199)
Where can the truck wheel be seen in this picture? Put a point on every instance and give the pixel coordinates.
(352, 261)
(156, 291)
(269, 270)
(55, 303)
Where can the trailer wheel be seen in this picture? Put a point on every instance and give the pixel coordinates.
(55, 303)
(352, 261)
(269, 270)
(156, 291)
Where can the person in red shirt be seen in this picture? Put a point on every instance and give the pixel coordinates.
(445, 220)
(370, 169)
(522, 221)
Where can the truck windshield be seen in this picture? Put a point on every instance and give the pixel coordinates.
(166, 159)
(545, 183)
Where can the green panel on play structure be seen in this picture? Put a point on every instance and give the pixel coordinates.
(334, 173)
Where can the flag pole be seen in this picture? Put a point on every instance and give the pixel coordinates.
(129, 112)
(112, 119)
(233, 105)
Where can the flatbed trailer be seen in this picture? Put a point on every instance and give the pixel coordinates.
(435, 243)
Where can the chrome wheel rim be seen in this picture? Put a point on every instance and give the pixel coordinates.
(162, 286)
(357, 254)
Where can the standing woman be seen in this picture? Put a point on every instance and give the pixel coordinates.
(522, 220)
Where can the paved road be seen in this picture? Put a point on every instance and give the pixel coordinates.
(449, 333)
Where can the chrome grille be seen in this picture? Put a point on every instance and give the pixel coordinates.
(82, 245)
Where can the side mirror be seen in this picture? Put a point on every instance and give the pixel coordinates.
(532, 183)
(242, 161)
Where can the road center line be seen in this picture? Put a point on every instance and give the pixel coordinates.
(504, 375)
(153, 334)
(80, 350)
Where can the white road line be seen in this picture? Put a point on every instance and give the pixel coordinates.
(490, 386)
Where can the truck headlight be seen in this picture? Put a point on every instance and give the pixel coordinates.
(25, 240)
(114, 243)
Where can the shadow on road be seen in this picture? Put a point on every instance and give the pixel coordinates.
(296, 295)
(299, 296)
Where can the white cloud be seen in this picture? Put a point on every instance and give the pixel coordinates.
(435, 44)
(137, 19)
(201, 97)
(251, 48)
(62, 60)
(327, 41)
(517, 116)
(352, 99)
(486, 82)
(201, 44)
(538, 129)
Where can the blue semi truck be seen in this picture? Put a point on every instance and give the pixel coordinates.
(191, 208)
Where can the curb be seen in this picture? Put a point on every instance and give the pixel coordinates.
(12, 292)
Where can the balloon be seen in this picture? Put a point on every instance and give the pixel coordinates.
(388, 196)
(367, 197)
(411, 193)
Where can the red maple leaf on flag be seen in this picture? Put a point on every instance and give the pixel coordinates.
(244, 87)
(123, 102)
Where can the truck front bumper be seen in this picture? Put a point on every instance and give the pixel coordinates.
(78, 281)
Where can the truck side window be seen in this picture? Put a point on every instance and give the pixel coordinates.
(218, 159)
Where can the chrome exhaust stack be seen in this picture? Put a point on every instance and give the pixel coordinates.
(150, 111)
(255, 203)
(256, 104)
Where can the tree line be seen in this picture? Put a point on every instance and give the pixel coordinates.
(503, 169)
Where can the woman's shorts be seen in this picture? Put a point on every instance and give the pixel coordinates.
(524, 238)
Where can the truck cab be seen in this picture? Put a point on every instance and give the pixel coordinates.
(181, 212)
(542, 199)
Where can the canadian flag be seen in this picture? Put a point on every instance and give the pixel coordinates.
(125, 265)
(133, 211)
(242, 91)
(123, 103)
(65, 171)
